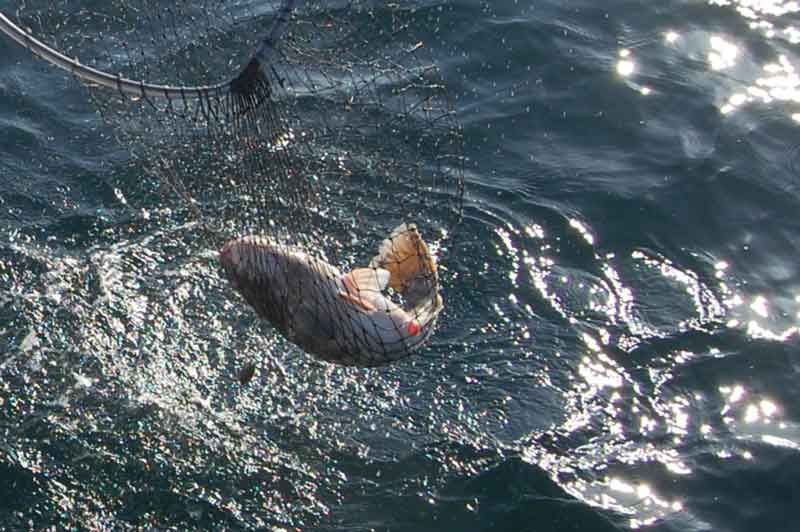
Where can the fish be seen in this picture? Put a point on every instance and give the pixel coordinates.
(351, 319)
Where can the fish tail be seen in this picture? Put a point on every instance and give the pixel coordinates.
(412, 269)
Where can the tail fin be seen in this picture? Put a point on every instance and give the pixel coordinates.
(412, 269)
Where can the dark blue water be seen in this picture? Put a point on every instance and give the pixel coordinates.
(620, 346)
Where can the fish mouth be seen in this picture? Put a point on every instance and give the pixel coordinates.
(225, 260)
(227, 257)
(229, 261)
(242, 258)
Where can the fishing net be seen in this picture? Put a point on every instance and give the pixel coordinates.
(310, 142)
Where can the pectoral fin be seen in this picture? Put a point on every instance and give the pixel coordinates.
(367, 280)
(363, 283)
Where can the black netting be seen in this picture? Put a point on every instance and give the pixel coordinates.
(311, 142)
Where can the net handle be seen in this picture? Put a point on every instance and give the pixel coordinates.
(143, 89)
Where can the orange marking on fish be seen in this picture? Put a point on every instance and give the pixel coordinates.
(351, 295)
(357, 301)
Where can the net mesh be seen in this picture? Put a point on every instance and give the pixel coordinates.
(312, 143)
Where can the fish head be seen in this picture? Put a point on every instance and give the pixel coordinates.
(278, 280)
(255, 267)
(230, 255)
(230, 258)
(252, 258)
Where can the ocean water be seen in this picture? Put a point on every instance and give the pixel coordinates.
(619, 349)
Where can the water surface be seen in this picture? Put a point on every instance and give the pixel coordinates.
(620, 344)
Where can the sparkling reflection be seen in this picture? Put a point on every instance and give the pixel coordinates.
(780, 83)
(625, 66)
(756, 418)
(671, 37)
(756, 9)
(723, 54)
(628, 408)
